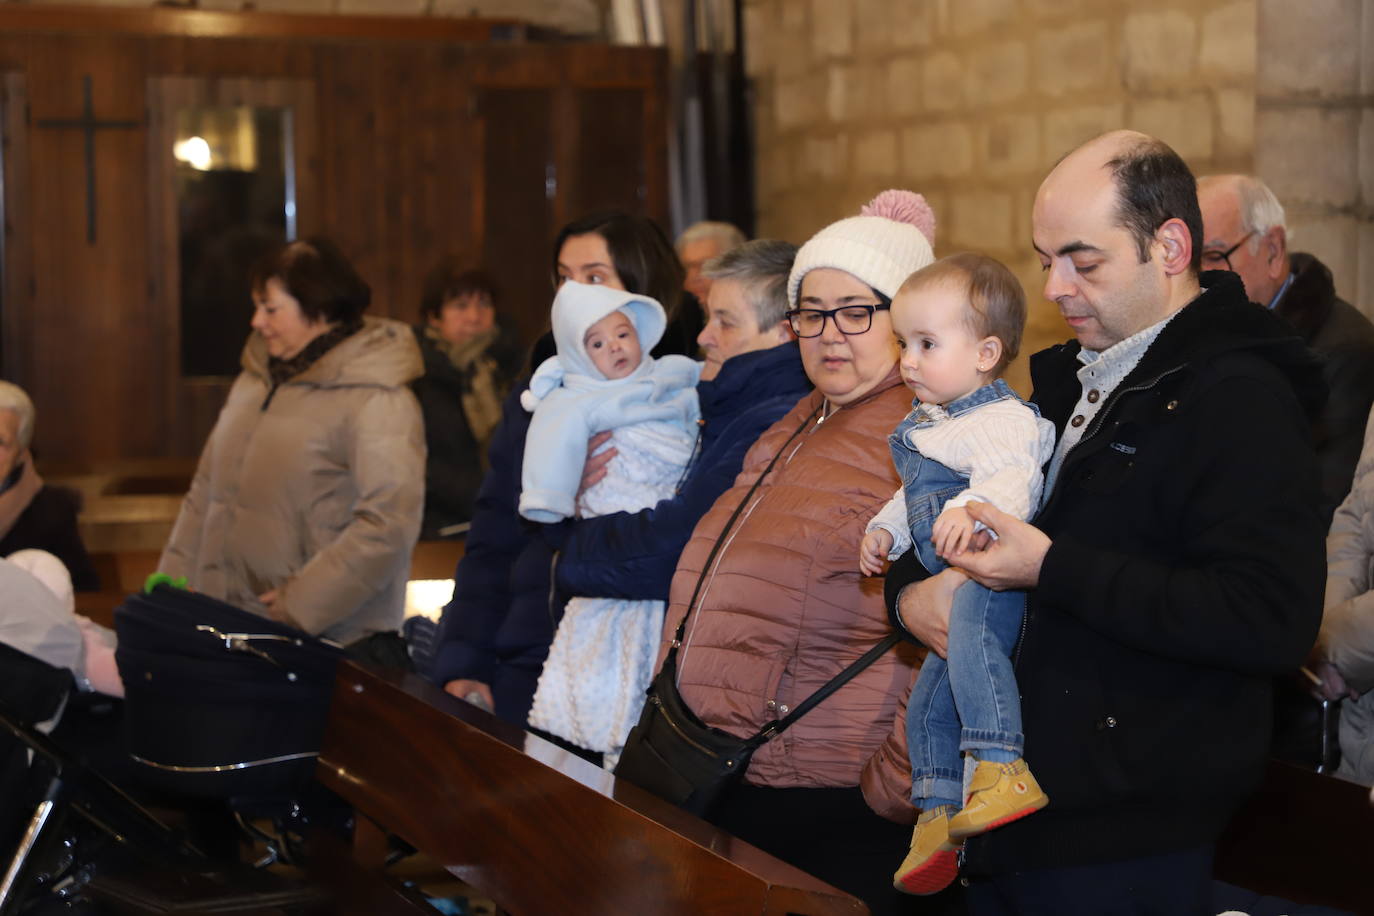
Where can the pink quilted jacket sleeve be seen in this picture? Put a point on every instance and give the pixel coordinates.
(886, 779)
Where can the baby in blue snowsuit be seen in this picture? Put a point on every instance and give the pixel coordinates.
(603, 378)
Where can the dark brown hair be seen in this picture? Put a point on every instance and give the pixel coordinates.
(451, 279)
(642, 255)
(316, 273)
(1153, 186)
(997, 303)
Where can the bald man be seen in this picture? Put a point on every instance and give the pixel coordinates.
(1243, 231)
(1176, 564)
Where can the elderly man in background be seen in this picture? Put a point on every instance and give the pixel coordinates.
(1243, 231)
(699, 243)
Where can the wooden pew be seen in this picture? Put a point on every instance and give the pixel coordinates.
(535, 828)
(1305, 837)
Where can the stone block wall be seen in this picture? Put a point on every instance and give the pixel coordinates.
(972, 101)
(1314, 127)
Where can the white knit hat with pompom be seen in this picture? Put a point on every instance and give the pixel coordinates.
(889, 241)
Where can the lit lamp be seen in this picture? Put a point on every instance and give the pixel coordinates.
(194, 151)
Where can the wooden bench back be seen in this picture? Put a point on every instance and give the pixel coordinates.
(1305, 837)
(537, 829)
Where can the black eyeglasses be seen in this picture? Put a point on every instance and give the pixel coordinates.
(1215, 259)
(849, 319)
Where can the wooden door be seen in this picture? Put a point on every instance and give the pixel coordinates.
(607, 167)
(519, 186)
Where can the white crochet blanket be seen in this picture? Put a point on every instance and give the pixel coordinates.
(599, 665)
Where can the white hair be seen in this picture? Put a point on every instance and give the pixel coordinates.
(724, 234)
(761, 267)
(1259, 209)
(14, 398)
(1256, 205)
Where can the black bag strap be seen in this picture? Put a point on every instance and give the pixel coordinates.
(734, 517)
(835, 683)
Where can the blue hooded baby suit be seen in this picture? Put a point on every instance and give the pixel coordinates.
(652, 412)
(602, 655)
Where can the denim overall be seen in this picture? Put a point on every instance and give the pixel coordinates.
(969, 702)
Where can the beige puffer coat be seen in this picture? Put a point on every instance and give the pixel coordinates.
(1347, 634)
(785, 607)
(315, 490)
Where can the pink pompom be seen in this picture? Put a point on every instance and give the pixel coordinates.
(903, 207)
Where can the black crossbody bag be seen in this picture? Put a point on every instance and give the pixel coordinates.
(671, 752)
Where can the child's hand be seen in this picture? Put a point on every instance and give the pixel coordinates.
(873, 551)
(952, 531)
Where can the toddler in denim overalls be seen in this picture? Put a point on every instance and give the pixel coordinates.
(968, 438)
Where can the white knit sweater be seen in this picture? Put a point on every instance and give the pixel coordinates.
(1001, 448)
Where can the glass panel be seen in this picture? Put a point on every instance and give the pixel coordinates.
(235, 198)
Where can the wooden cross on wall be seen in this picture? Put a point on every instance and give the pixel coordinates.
(89, 124)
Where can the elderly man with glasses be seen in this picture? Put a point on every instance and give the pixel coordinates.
(1244, 232)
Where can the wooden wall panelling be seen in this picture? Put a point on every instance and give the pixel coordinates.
(446, 158)
(361, 135)
(518, 217)
(607, 169)
(391, 88)
(411, 235)
(412, 162)
(516, 104)
(264, 58)
(656, 128)
(591, 165)
(94, 337)
(605, 78)
(16, 244)
(193, 403)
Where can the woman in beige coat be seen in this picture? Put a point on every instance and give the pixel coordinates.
(307, 501)
(1345, 648)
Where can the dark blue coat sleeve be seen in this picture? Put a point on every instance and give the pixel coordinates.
(633, 554)
(482, 583)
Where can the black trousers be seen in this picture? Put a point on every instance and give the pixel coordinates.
(1172, 884)
(833, 835)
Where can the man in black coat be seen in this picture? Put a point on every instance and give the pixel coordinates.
(1243, 231)
(1177, 561)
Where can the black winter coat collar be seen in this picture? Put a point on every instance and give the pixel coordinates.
(1308, 302)
(1220, 320)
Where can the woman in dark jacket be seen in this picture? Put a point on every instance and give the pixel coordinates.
(469, 365)
(496, 630)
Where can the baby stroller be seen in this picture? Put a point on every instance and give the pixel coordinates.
(227, 705)
(58, 815)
